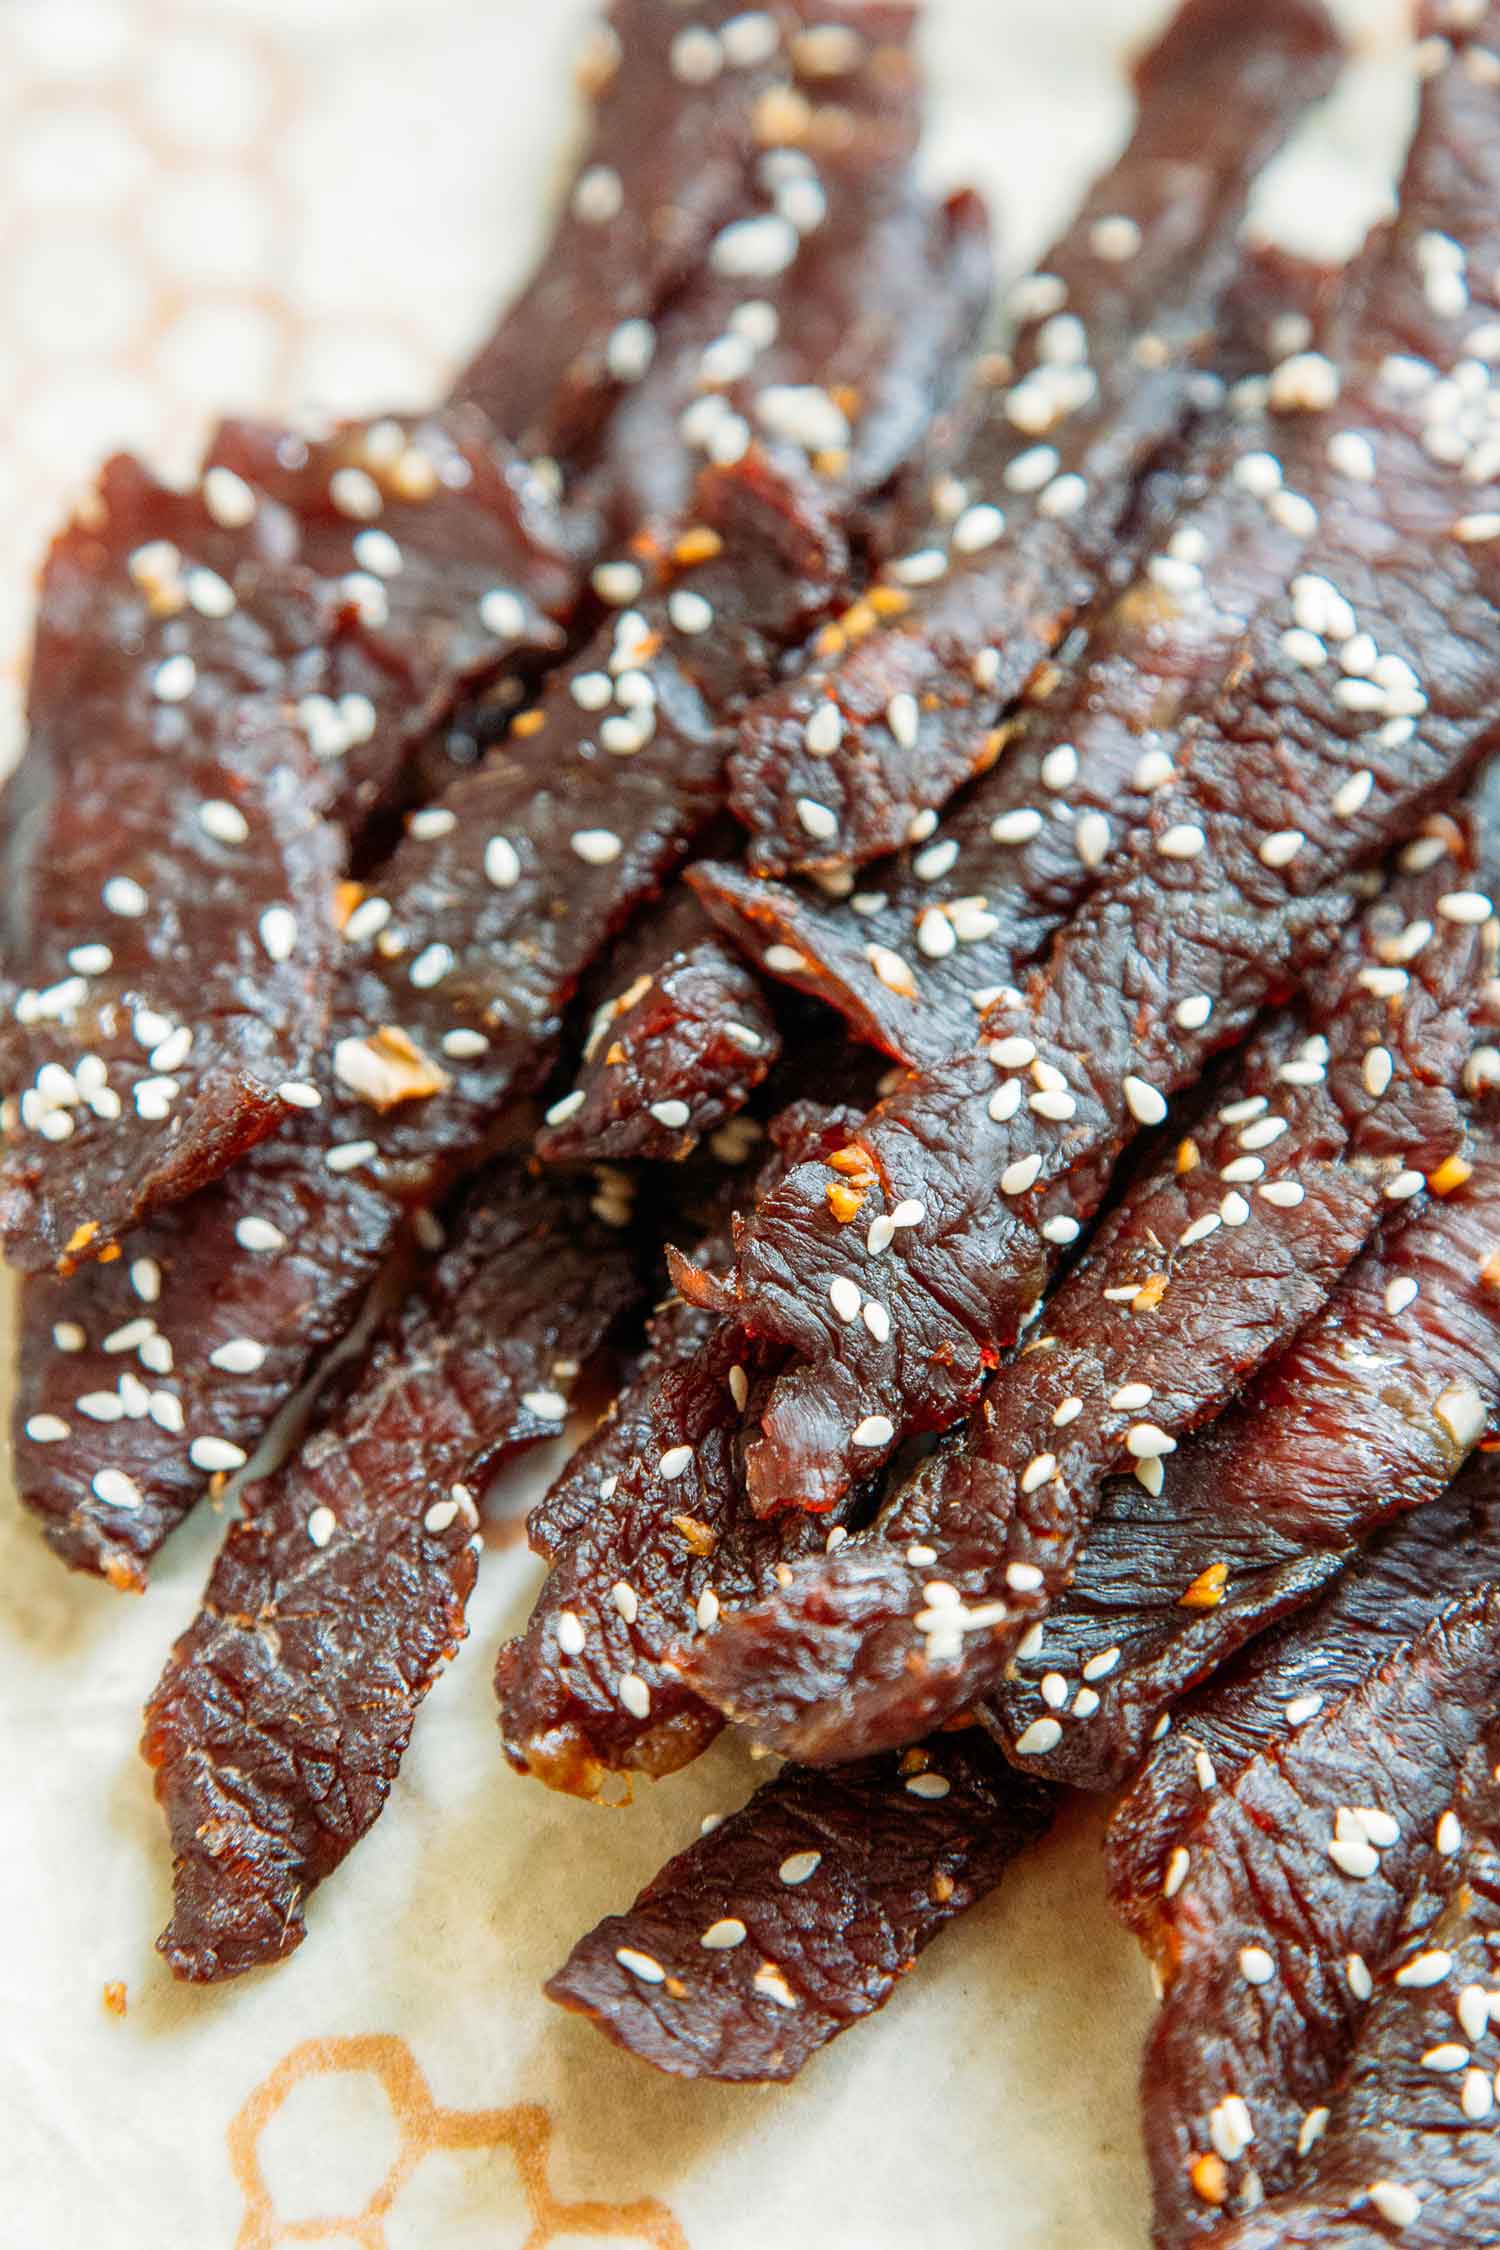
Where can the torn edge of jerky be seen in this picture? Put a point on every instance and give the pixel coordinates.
(681, 1043)
(284, 1711)
(798, 1916)
(835, 767)
(459, 957)
(1299, 776)
(1371, 1410)
(1266, 1854)
(647, 1535)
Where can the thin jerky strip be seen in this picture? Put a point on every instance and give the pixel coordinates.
(1372, 1409)
(683, 1041)
(456, 971)
(1104, 376)
(1187, 1287)
(1266, 1854)
(1405, 2146)
(665, 168)
(1307, 770)
(285, 1709)
(588, 1691)
(168, 933)
(798, 1916)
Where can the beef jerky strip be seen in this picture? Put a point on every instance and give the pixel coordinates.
(587, 1693)
(285, 1709)
(1187, 1287)
(1405, 2146)
(665, 168)
(168, 931)
(1266, 1853)
(1369, 1411)
(1105, 374)
(448, 1004)
(1363, 1110)
(449, 564)
(682, 1042)
(798, 1916)
(1303, 772)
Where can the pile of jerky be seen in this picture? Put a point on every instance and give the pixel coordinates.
(968, 841)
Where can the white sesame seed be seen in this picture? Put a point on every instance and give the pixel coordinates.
(1475, 530)
(1256, 1964)
(902, 717)
(1023, 1174)
(1068, 1411)
(1404, 1186)
(675, 1462)
(755, 249)
(1023, 1577)
(1468, 907)
(228, 499)
(1396, 2203)
(820, 822)
(908, 1213)
(214, 1454)
(1115, 238)
(223, 821)
(1263, 1132)
(1041, 1736)
(1462, 1413)
(1353, 1857)
(1352, 455)
(1283, 1195)
(1234, 1210)
(617, 582)
(1039, 1470)
(1062, 1230)
(116, 1489)
(347, 1156)
(240, 1356)
(1377, 1071)
(1145, 1442)
(1425, 1969)
(1473, 2012)
(570, 1635)
(1230, 2128)
(1064, 496)
(46, 1429)
(1183, 840)
(278, 932)
(1280, 849)
(640, 1965)
(800, 1867)
(635, 1695)
(596, 846)
(723, 1936)
(1477, 2096)
(124, 896)
(1176, 1872)
(1448, 1837)
(1017, 827)
(875, 1430)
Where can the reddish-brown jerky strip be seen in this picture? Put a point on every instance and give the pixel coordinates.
(456, 971)
(1266, 1854)
(1370, 1410)
(665, 168)
(587, 1692)
(683, 1041)
(281, 1719)
(1404, 2149)
(798, 1916)
(1187, 1287)
(168, 932)
(1304, 771)
(1105, 375)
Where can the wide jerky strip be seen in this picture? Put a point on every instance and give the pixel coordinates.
(799, 1915)
(683, 1041)
(281, 1719)
(589, 1691)
(456, 971)
(1405, 2145)
(1266, 1854)
(1306, 769)
(1105, 374)
(1370, 1410)
(1186, 1288)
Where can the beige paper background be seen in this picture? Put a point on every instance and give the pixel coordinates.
(268, 204)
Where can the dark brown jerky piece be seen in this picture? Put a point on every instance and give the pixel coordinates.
(1049, 479)
(168, 925)
(456, 972)
(1266, 1854)
(665, 167)
(681, 1043)
(798, 1916)
(1186, 1288)
(446, 561)
(1305, 770)
(1404, 2148)
(589, 1692)
(1370, 1410)
(279, 1724)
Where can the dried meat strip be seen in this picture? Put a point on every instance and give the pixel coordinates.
(1305, 770)
(457, 966)
(798, 1916)
(285, 1709)
(1370, 1410)
(1404, 2148)
(682, 1043)
(168, 935)
(1266, 1854)
(836, 767)
(665, 169)
(588, 1692)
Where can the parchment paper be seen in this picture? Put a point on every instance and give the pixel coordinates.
(261, 204)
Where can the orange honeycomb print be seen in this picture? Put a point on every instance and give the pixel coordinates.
(422, 2130)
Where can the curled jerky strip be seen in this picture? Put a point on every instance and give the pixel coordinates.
(919, 673)
(458, 960)
(683, 1041)
(799, 1915)
(1303, 771)
(1404, 2147)
(1267, 1853)
(1370, 1410)
(285, 1709)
